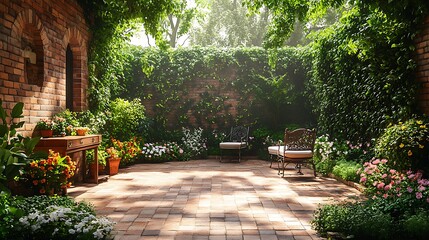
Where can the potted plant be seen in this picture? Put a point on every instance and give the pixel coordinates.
(46, 127)
(100, 165)
(113, 160)
(60, 125)
(81, 131)
(50, 176)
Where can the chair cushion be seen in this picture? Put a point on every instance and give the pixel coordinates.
(232, 145)
(279, 150)
(274, 150)
(297, 153)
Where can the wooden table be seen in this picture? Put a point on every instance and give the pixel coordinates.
(70, 145)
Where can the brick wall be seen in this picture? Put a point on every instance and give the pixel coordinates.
(34, 36)
(422, 74)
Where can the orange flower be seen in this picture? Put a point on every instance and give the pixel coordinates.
(42, 191)
(43, 180)
(35, 182)
(33, 164)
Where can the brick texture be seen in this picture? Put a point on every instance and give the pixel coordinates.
(34, 36)
(422, 72)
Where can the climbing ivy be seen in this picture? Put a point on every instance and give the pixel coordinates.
(202, 86)
(363, 75)
(112, 23)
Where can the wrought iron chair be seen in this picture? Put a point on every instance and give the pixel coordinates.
(238, 140)
(298, 148)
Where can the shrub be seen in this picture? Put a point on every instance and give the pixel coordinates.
(358, 220)
(330, 218)
(417, 226)
(15, 150)
(126, 119)
(194, 145)
(327, 153)
(405, 145)
(213, 139)
(347, 170)
(43, 217)
(404, 189)
(156, 152)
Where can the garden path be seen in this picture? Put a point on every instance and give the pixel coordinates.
(206, 199)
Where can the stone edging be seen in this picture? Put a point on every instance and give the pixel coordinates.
(348, 183)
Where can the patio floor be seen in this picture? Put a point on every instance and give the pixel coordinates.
(206, 199)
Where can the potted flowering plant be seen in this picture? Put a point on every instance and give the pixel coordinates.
(50, 176)
(81, 131)
(113, 160)
(60, 125)
(46, 127)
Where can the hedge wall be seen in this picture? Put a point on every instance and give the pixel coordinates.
(217, 88)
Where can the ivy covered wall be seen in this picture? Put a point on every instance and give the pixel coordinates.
(218, 88)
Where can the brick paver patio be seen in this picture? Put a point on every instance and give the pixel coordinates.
(206, 199)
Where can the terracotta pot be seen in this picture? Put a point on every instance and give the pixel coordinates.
(46, 133)
(81, 132)
(113, 164)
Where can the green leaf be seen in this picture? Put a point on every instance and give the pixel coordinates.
(17, 110)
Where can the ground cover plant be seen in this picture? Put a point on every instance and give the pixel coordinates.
(43, 217)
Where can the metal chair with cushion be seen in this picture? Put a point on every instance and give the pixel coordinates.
(298, 148)
(238, 140)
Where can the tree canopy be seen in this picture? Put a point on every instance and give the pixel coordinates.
(112, 23)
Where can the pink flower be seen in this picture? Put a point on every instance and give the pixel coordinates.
(376, 161)
(374, 183)
(384, 176)
(387, 187)
(421, 188)
(419, 195)
(399, 194)
(384, 160)
(385, 195)
(392, 171)
(363, 179)
(380, 185)
(409, 189)
(366, 164)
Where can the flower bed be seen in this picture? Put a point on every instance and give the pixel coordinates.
(161, 152)
(43, 217)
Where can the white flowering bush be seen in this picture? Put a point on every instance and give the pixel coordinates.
(327, 153)
(168, 151)
(43, 217)
(194, 143)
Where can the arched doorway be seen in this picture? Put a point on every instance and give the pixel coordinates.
(69, 78)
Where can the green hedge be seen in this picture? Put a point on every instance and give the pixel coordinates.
(363, 74)
(270, 90)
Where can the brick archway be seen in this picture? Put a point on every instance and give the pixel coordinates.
(28, 27)
(74, 39)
